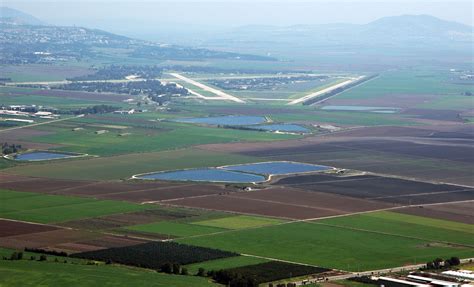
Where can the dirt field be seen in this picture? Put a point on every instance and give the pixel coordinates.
(13, 228)
(18, 136)
(46, 239)
(249, 206)
(41, 185)
(118, 190)
(103, 242)
(166, 193)
(332, 202)
(388, 190)
(460, 212)
(282, 202)
(127, 219)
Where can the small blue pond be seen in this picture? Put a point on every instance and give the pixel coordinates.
(277, 167)
(225, 120)
(290, 128)
(204, 174)
(361, 108)
(42, 155)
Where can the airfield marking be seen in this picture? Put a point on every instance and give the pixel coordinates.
(323, 91)
(207, 88)
(268, 99)
(39, 124)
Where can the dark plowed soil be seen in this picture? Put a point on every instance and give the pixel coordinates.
(12, 228)
(460, 212)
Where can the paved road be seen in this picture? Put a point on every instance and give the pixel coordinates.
(323, 91)
(221, 94)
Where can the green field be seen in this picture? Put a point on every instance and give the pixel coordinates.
(43, 208)
(408, 225)
(28, 96)
(224, 263)
(438, 83)
(175, 229)
(238, 222)
(167, 136)
(76, 272)
(124, 166)
(333, 247)
(421, 81)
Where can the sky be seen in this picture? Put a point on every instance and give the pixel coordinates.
(141, 18)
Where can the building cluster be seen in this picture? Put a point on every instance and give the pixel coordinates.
(17, 112)
(459, 278)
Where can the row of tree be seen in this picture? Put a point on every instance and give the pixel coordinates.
(11, 148)
(439, 263)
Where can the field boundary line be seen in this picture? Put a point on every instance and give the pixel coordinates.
(286, 261)
(36, 223)
(279, 202)
(179, 198)
(144, 189)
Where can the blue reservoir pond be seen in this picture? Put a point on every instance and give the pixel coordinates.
(43, 155)
(224, 120)
(277, 167)
(386, 110)
(290, 128)
(243, 173)
(204, 174)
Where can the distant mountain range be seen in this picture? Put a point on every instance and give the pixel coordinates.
(16, 17)
(25, 39)
(396, 30)
(413, 35)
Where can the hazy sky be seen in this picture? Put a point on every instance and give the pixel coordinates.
(190, 20)
(108, 13)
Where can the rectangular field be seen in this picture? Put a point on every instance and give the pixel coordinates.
(283, 202)
(12, 228)
(404, 225)
(458, 212)
(175, 229)
(238, 222)
(384, 189)
(333, 247)
(54, 208)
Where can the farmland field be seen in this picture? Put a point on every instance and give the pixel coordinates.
(124, 166)
(175, 229)
(334, 247)
(225, 263)
(54, 208)
(238, 222)
(205, 164)
(77, 273)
